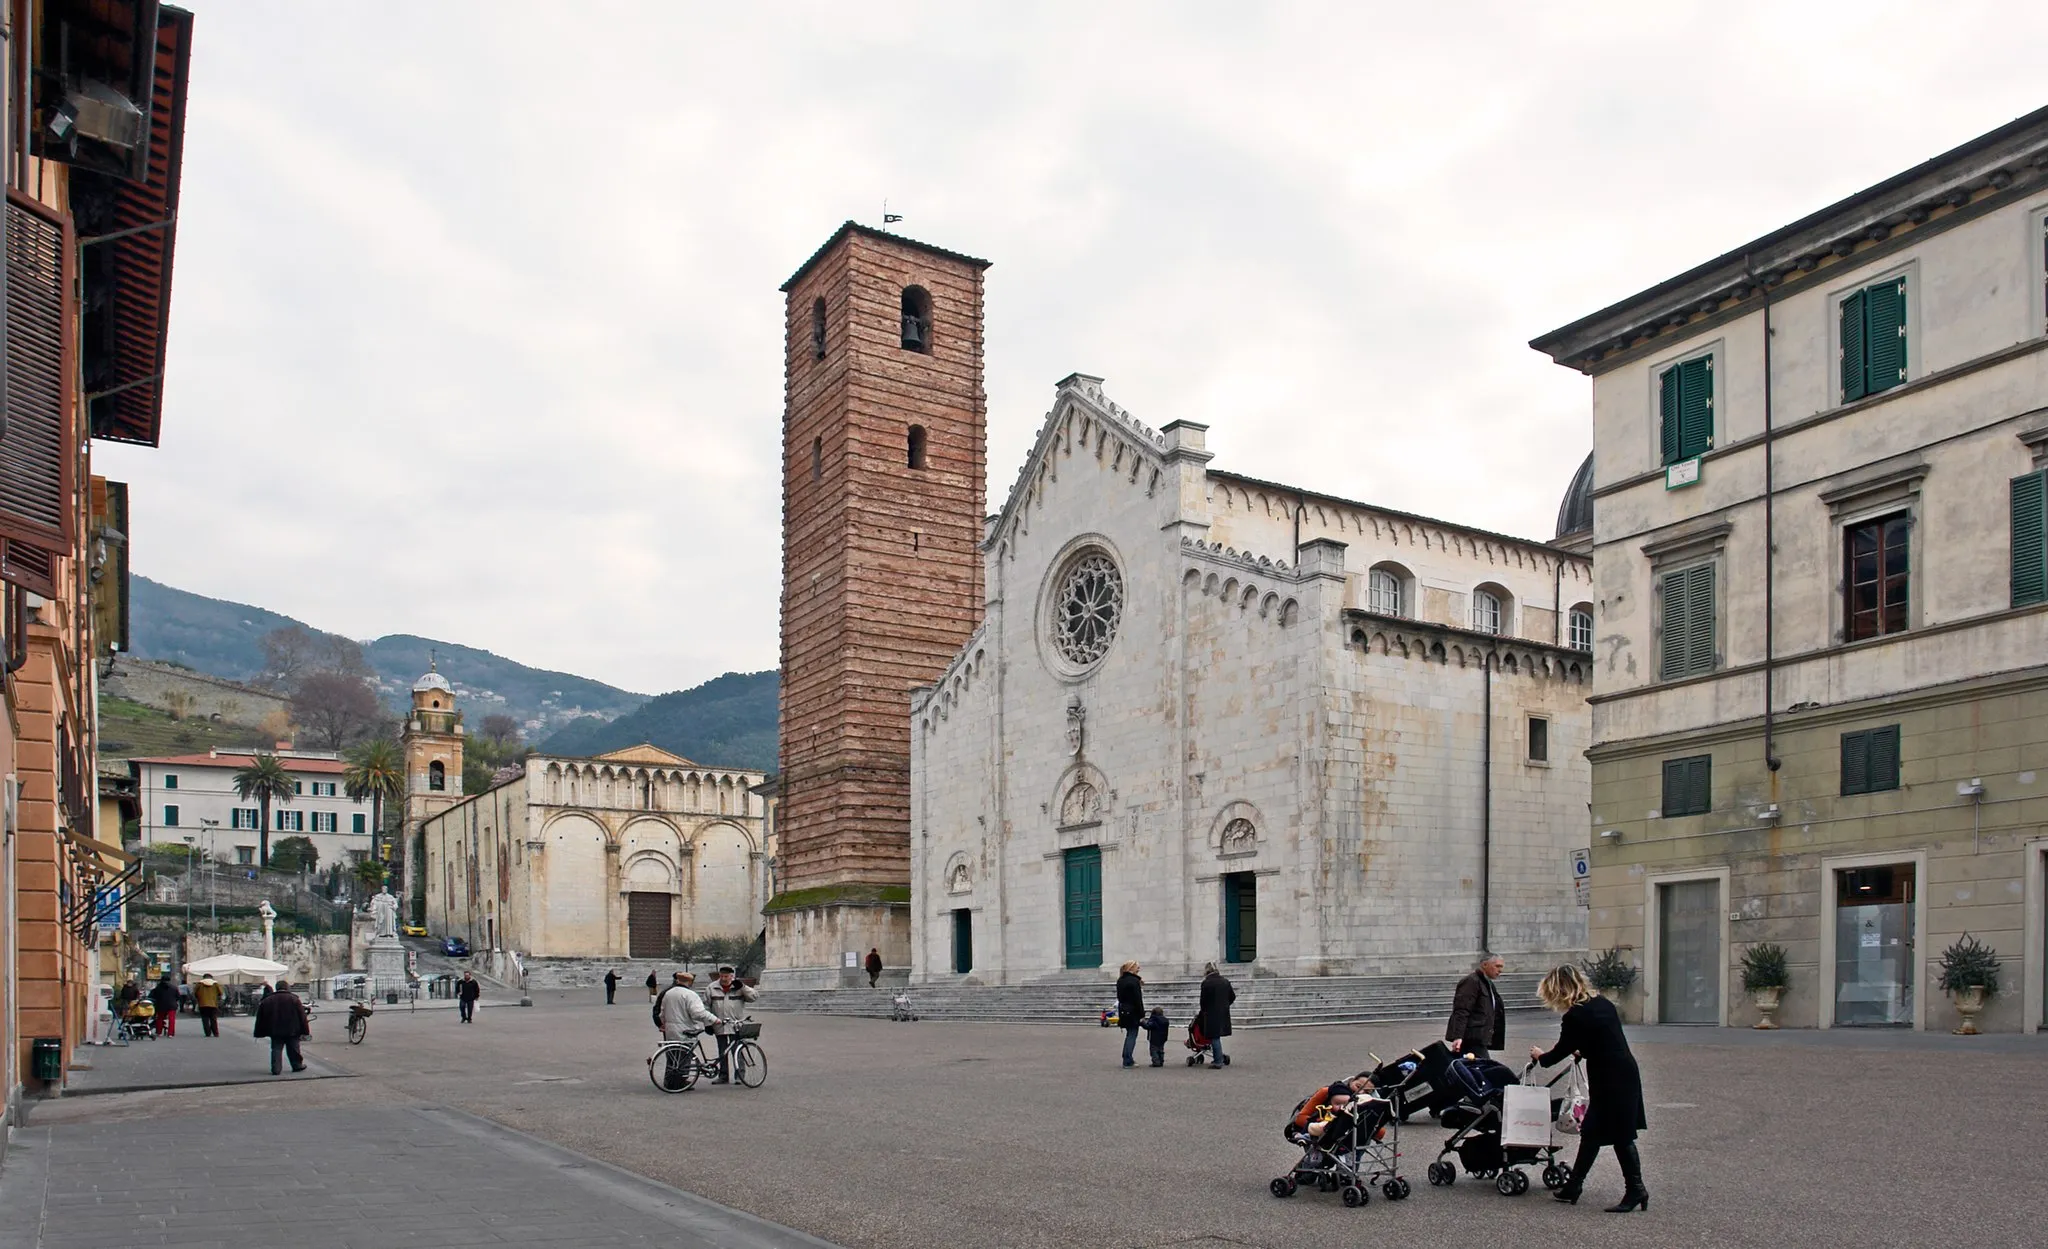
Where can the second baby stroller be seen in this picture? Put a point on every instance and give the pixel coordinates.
(1475, 1120)
(1197, 1043)
(1348, 1139)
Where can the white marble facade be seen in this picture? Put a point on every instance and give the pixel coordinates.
(1186, 677)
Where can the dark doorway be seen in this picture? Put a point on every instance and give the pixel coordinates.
(647, 930)
(963, 941)
(1240, 917)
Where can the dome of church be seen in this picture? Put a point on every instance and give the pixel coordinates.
(1575, 514)
(432, 681)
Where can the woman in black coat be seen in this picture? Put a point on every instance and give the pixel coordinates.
(1130, 1009)
(1614, 1084)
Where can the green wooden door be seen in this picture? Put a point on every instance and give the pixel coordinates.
(1084, 906)
(1240, 917)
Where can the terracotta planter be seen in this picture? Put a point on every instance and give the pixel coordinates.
(1766, 1001)
(1969, 1003)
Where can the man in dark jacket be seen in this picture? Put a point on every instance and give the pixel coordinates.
(1130, 1009)
(164, 997)
(611, 986)
(1479, 1023)
(282, 1018)
(467, 991)
(1217, 995)
(874, 966)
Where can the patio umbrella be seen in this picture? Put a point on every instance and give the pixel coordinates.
(236, 968)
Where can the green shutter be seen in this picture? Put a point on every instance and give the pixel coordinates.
(2030, 539)
(1855, 763)
(1852, 347)
(1672, 662)
(1695, 407)
(1884, 319)
(1883, 758)
(1688, 785)
(1669, 423)
(1699, 630)
(1674, 786)
(1700, 789)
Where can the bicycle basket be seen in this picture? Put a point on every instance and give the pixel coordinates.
(747, 1030)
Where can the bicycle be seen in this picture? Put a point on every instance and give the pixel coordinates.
(676, 1066)
(358, 1022)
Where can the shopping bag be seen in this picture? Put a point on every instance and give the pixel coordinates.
(1525, 1116)
(1571, 1113)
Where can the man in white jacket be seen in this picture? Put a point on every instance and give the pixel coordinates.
(680, 1012)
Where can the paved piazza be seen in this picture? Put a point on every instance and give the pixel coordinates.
(870, 1133)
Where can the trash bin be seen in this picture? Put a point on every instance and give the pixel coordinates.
(391, 997)
(49, 1059)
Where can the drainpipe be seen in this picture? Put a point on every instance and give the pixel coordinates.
(1486, 806)
(1771, 759)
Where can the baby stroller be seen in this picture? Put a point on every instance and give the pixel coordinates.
(1197, 1043)
(1475, 1122)
(1359, 1144)
(900, 1010)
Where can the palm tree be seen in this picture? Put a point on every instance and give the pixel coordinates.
(375, 771)
(265, 780)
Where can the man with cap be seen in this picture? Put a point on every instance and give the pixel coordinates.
(206, 996)
(679, 1012)
(727, 997)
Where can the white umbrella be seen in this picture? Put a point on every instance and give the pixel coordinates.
(236, 968)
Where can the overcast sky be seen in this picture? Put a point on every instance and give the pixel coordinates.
(476, 331)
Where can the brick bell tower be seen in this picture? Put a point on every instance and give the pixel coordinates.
(884, 459)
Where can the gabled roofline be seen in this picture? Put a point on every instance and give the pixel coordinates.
(880, 236)
(1412, 517)
(1937, 188)
(1082, 388)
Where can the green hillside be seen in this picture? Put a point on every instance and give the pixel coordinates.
(729, 721)
(129, 729)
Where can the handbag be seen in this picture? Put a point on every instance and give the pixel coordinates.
(1571, 1113)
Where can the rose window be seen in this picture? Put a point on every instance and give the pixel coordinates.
(1087, 608)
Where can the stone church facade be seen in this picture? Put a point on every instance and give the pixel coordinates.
(607, 857)
(1208, 717)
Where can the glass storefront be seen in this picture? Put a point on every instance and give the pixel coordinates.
(1874, 943)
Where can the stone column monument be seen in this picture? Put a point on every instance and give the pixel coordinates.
(386, 955)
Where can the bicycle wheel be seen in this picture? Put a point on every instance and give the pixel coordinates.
(673, 1068)
(749, 1064)
(358, 1028)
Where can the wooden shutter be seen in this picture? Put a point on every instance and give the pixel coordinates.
(1884, 322)
(1853, 386)
(1672, 662)
(2030, 539)
(1669, 423)
(1699, 785)
(37, 455)
(1882, 758)
(1695, 407)
(1855, 763)
(1688, 644)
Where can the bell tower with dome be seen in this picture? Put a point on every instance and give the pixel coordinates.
(432, 743)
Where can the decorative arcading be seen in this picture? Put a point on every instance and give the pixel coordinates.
(1081, 413)
(1246, 596)
(1433, 645)
(1216, 552)
(935, 705)
(1335, 516)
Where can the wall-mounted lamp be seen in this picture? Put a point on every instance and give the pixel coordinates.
(1611, 834)
(1769, 815)
(1972, 788)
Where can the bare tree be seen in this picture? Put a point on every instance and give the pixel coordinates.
(500, 729)
(335, 653)
(287, 656)
(335, 709)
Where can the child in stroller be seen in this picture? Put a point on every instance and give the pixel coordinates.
(1344, 1132)
(1197, 1043)
(1473, 1114)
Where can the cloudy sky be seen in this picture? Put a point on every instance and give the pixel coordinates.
(476, 331)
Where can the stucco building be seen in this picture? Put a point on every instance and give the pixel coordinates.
(1820, 712)
(1209, 717)
(191, 800)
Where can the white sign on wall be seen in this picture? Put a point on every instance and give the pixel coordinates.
(1582, 876)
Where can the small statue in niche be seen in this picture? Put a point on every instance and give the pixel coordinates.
(1077, 726)
(1240, 837)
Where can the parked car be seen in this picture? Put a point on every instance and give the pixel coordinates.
(413, 930)
(455, 947)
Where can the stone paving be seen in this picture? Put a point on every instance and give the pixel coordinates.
(870, 1134)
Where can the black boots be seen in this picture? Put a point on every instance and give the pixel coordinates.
(1636, 1196)
(1581, 1165)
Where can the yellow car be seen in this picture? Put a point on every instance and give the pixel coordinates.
(414, 930)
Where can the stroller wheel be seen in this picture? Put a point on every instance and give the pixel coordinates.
(1391, 1191)
(1512, 1183)
(1283, 1187)
(1553, 1176)
(1442, 1174)
(1401, 1190)
(1355, 1195)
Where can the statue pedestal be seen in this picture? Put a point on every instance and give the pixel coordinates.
(385, 961)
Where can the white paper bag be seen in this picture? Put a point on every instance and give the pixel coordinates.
(1525, 1116)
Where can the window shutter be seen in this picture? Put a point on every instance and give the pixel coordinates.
(1700, 785)
(1695, 407)
(1855, 763)
(1672, 662)
(1669, 421)
(1699, 632)
(2030, 539)
(1883, 758)
(1852, 348)
(36, 455)
(1884, 319)
(1674, 786)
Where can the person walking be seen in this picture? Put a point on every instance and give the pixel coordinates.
(1614, 1084)
(1130, 1008)
(206, 996)
(653, 987)
(611, 986)
(164, 997)
(1217, 995)
(874, 966)
(727, 997)
(1479, 1022)
(467, 991)
(282, 1019)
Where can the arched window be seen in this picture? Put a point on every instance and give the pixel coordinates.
(437, 775)
(917, 446)
(1491, 610)
(1581, 636)
(917, 319)
(1385, 591)
(817, 459)
(818, 329)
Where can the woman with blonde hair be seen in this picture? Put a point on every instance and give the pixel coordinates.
(1130, 1008)
(1614, 1084)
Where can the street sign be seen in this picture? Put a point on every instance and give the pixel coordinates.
(1582, 876)
(1682, 474)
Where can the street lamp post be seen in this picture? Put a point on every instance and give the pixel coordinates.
(191, 875)
(212, 906)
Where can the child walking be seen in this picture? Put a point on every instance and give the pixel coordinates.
(1156, 1027)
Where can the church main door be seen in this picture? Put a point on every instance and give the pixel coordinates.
(647, 925)
(1084, 906)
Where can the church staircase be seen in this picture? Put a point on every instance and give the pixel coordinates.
(1262, 1001)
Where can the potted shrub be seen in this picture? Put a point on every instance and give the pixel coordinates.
(1610, 972)
(1969, 974)
(1764, 977)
